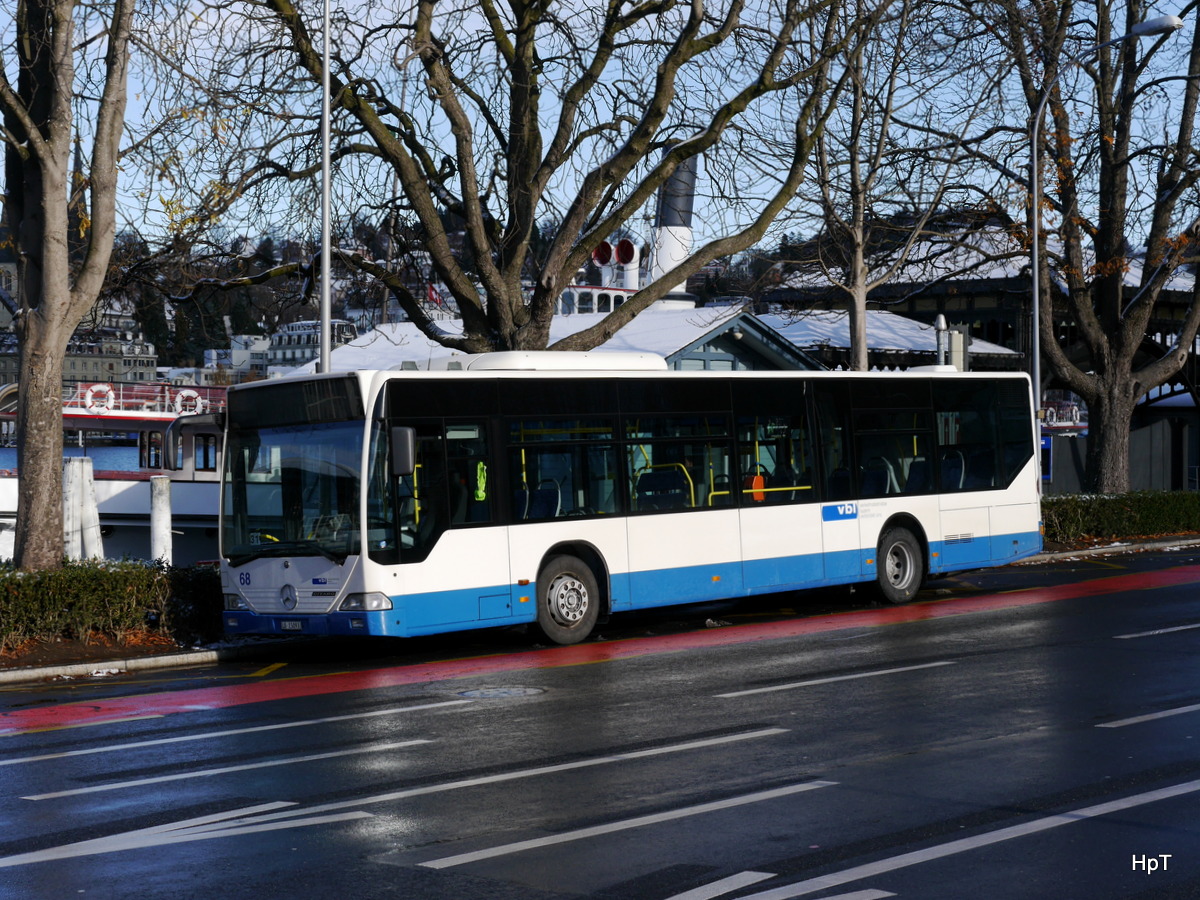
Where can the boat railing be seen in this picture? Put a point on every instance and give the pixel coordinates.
(97, 398)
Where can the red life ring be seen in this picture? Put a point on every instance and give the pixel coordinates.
(99, 398)
(188, 401)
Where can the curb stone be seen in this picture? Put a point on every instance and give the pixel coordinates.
(108, 667)
(1112, 549)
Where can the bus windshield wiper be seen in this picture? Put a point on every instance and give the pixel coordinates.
(282, 548)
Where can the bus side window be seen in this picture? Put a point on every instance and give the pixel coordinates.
(984, 429)
(562, 480)
(679, 461)
(562, 466)
(775, 458)
(679, 475)
(468, 473)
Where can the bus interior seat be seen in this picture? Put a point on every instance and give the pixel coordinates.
(879, 478)
(665, 488)
(980, 470)
(720, 492)
(545, 501)
(521, 503)
(918, 476)
(952, 470)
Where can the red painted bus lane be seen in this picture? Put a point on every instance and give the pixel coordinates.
(113, 709)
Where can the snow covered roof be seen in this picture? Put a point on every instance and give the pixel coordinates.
(1182, 279)
(665, 329)
(885, 331)
(991, 254)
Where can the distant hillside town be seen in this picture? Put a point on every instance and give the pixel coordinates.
(208, 333)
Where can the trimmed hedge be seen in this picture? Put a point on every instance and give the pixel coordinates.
(1138, 514)
(108, 598)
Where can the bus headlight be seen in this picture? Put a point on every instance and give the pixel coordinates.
(235, 602)
(376, 600)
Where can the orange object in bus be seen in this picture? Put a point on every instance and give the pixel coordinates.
(756, 486)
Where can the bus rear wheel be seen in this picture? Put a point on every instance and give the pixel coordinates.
(900, 566)
(568, 600)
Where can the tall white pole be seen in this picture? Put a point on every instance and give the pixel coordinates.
(160, 519)
(1156, 26)
(326, 256)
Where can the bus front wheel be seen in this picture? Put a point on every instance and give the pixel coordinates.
(568, 600)
(900, 565)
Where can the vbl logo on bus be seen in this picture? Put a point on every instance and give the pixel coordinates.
(837, 511)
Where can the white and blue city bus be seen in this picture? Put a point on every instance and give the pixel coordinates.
(555, 489)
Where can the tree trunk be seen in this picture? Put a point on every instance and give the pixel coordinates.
(39, 534)
(1109, 415)
(858, 317)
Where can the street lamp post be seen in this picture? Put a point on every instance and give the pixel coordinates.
(1148, 28)
(325, 304)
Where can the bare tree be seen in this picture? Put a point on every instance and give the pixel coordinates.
(70, 62)
(477, 122)
(1121, 147)
(894, 190)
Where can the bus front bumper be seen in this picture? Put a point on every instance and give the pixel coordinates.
(336, 624)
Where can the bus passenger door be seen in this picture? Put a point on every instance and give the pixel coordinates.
(454, 557)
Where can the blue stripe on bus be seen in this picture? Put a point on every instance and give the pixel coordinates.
(687, 584)
(458, 610)
(987, 550)
(783, 573)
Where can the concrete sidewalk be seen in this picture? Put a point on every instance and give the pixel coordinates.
(118, 666)
(1117, 547)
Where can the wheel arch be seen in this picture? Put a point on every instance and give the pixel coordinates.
(913, 524)
(589, 554)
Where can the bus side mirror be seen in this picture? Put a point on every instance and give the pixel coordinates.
(404, 451)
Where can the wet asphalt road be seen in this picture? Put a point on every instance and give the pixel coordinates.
(1026, 732)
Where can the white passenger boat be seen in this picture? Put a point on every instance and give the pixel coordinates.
(176, 432)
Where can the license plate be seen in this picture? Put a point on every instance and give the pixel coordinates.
(291, 625)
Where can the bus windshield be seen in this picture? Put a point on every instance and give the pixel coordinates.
(292, 490)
